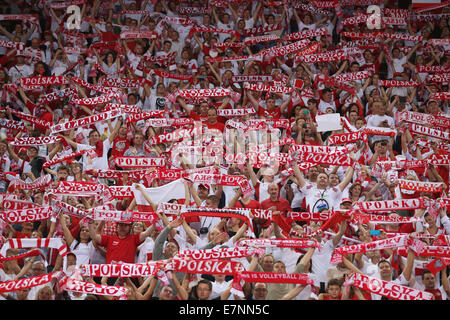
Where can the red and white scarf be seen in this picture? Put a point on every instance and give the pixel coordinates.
(139, 162)
(75, 285)
(235, 112)
(55, 243)
(268, 54)
(256, 78)
(398, 83)
(336, 55)
(168, 75)
(424, 119)
(344, 138)
(27, 215)
(329, 159)
(280, 243)
(263, 38)
(56, 96)
(386, 288)
(54, 161)
(123, 83)
(211, 266)
(39, 183)
(260, 30)
(32, 119)
(43, 81)
(15, 285)
(306, 34)
(267, 88)
(86, 121)
(389, 243)
(420, 186)
(135, 117)
(215, 212)
(200, 93)
(221, 253)
(389, 205)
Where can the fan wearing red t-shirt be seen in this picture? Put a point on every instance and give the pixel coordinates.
(121, 247)
(271, 110)
(279, 206)
(212, 122)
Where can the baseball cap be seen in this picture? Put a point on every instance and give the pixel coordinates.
(205, 186)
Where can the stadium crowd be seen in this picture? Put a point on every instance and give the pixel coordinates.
(224, 150)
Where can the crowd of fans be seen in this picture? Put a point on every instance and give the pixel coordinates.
(247, 74)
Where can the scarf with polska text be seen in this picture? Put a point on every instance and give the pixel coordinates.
(201, 93)
(70, 210)
(220, 253)
(55, 243)
(25, 283)
(124, 83)
(210, 266)
(251, 78)
(34, 141)
(268, 88)
(389, 243)
(324, 158)
(54, 161)
(386, 288)
(420, 186)
(398, 83)
(135, 117)
(27, 215)
(280, 243)
(86, 121)
(56, 96)
(216, 212)
(236, 58)
(74, 285)
(30, 118)
(213, 30)
(12, 124)
(168, 75)
(38, 183)
(306, 34)
(124, 216)
(43, 81)
(376, 218)
(139, 162)
(273, 52)
(423, 119)
(389, 205)
(117, 174)
(235, 112)
(259, 30)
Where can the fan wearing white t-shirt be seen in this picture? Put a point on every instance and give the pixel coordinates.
(385, 272)
(321, 196)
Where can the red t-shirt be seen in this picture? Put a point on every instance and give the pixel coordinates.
(120, 249)
(218, 125)
(275, 114)
(282, 205)
(120, 145)
(110, 36)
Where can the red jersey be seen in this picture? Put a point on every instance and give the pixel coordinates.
(119, 146)
(120, 249)
(274, 114)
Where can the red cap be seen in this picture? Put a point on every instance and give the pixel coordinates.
(202, 185)
(346, 200)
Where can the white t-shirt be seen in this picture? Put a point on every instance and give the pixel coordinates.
(317, 199)
(321, 262)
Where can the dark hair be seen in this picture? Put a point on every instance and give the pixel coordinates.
(334, 282)
(426, 271)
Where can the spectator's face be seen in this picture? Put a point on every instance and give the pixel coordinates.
(204, 109)
(22, 294)
(359, 124)
(334, 180)
(385, 269)
(3, 148)
(62, 175)
(212, 116)
(322, 180)
(123, 229)
(429, 281)
(203, 291)
(267, 263)
(166, 293)
(38, 269)
(45, 294)
(334, 291)
(202, 192)
(270, 104)
(138, 140)
(273, 190)
(260, 291)
(279, 268)
(94, 137)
